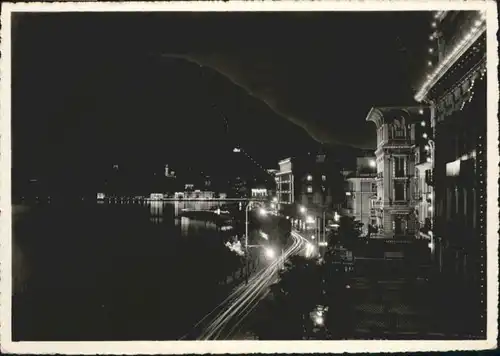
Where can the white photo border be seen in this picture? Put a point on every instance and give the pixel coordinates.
(219, 347)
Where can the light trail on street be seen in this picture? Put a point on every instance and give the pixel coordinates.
(224, 320)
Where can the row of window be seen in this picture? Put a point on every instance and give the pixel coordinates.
(397, 131)
(310, 178)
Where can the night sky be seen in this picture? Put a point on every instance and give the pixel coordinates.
(91, 89)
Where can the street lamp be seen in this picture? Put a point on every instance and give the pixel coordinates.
(275, 200)
(247, 209)
(262, 212)
(269, 253)
(303, 210)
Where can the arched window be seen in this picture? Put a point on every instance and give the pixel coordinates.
(399, 128)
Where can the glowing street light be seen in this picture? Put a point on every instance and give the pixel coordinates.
(269, 253)
(373, 164)
(275, 200)
(319, 320)
(273, 206)
(262, 212)
(310, 220)
(303, 210)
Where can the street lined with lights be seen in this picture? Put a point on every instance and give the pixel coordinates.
(225, 319)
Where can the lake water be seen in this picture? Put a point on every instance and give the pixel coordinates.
(115, 271)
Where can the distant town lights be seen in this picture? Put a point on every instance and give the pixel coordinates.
(422, 124)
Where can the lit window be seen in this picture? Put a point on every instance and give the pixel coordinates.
(323, 178)
(309, 177)
(309, 189)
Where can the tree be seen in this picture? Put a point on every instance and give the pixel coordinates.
(348, 234)
(292, 299)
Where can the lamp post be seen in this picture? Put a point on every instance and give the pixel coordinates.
(262, 212)
(247, 209)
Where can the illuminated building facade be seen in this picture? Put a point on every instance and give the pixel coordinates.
(455, 90)
(361, 192)
(285, 183)
(312, 182)
(260, 193)
(424, 165)
(395, 160)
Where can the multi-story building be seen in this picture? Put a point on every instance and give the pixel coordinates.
(395, 162)
(310, 188)
(455, 90)
(361, 193)
(260, 193)
(424, 164)
(285, 183)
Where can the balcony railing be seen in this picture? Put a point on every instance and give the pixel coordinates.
(399, 141)
(429, 177)
(376, 204)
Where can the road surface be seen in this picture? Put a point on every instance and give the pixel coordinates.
(224, 321)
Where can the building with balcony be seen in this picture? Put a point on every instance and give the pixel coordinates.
(285, 183)
(455, 90)
(361, 193)
(395, 162)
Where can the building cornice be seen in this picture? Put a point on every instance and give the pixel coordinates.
(471, 36)
(377, 114)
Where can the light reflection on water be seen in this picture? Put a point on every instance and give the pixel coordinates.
(159, 210)
(100, 258)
